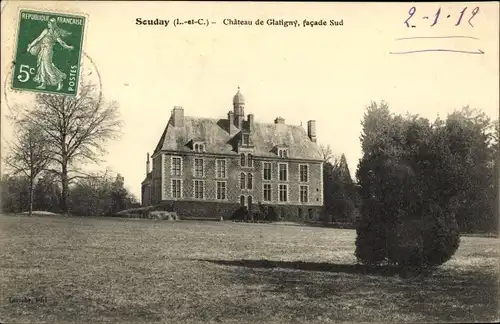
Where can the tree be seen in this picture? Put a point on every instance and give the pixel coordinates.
(119, 196)
(76, 130)
(91, 195)
(339, 190)
(29, 155)
(47, 194)
(15, 193)
(471, 143)
(326, 152)
(408, 210)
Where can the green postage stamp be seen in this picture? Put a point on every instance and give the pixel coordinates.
(48, 52)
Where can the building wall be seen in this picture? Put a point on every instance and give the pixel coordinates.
(146, 193)
(233, 176)
(156, 180)
(225, 207)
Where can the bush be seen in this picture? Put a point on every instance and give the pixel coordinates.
(241, 214)
(271, 214)
(408, 212)
(424, 243)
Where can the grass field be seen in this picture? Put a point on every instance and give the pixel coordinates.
(93, 270)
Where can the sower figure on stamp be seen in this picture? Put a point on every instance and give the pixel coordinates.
(43, 47)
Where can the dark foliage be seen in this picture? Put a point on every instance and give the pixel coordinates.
(407, 182)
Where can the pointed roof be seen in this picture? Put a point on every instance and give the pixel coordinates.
(238, 98)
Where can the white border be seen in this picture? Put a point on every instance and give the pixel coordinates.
(194, 189)
(226, 198)
(300, 194)
(225, 169)
(308, 173)
(287, 193)
(264, 168)
(202, 167)
(264, 190)
(172, 189)
(172, 165)
(287, 173)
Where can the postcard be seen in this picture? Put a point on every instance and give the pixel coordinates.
(249, 162)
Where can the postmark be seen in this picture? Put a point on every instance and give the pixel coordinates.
(48, 52)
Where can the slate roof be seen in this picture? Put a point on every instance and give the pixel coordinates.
(264, 137)
(149, 176)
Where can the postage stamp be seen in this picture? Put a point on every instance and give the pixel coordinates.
(48, 52)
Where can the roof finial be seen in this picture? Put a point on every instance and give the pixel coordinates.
(238, 88)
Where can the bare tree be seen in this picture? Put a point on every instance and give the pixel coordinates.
(76, 130)
(326, 152)
(29, 155)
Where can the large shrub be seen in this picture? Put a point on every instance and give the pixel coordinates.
(408, 212)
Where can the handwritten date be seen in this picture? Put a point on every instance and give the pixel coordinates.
(437, 16)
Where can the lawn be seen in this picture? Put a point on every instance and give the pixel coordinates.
(97, 270)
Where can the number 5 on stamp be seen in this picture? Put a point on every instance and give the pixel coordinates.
(48, 52)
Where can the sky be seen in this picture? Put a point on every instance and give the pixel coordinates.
(322, 73)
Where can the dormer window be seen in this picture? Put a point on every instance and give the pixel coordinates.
(283, 153)
(245, 139)
(199, 147)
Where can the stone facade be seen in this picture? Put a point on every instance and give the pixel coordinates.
(208, 168)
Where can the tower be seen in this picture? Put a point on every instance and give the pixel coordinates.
(239, 109)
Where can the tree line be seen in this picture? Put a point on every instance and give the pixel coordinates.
(97, 195)
(466, 143)
(54, 138)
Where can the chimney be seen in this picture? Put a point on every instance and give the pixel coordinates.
(230, 120)
(177, 116)
(148, 166)
(279, 120)
(311, 130)
(250, 122)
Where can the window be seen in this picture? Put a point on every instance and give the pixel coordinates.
(221, 190)
(176, 166)
(245, 139)
(283, 153)
(250, 181)
(176, 188)
(220, 168)
(267, 170)
(250, 160)
(304, 173)
(242, 180)
(198, 168)
(242, 160)
(283, 192)
(199, 147)
(267, 192)
(199, 189)
(304, 194)
(242, 200)
(283, 171)
(311, 214)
